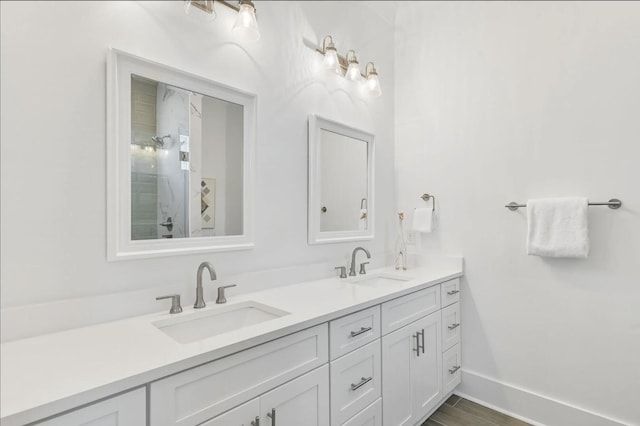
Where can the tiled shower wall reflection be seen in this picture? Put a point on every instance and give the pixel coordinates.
(144, 188)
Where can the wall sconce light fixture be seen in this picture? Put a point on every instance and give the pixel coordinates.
(373, 84)
(331, 61)
(349, 67)
(246, 24)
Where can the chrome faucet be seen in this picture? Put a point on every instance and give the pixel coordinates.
(199, 297)
(352, 270)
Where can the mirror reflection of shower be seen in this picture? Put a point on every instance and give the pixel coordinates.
(159, 140)
(186, 163)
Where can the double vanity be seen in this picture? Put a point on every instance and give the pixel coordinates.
(364, 348)
(374, 349)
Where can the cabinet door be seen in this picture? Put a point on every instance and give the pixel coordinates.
(427, 377)
(127, 409)
(301, 402)
(245, 415)
(411, 371)
(398, 369)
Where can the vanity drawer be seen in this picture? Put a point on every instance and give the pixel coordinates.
(404, 310)
(451, 364)
(450, 326)
(198, 394)
(370, 416)
(126, 409)
(355, 382)
(352, 331)
(450, 292)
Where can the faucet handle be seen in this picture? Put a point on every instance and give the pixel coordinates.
(175, 303)
(362, 270)
(343, 271)
(221, 298)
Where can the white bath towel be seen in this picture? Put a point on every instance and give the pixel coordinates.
(558, 227)
(423, 218)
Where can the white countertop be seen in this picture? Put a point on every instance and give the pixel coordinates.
(44, 375)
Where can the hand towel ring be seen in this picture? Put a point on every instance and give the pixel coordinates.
(426, 198)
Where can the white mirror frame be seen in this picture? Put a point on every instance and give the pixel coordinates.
(120, 66)
(314, 235)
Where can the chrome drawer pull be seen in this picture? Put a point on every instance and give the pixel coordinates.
(272, 415)
(255, 422)
(454, 326)
(454, 369)
(361, 331)
(363, 382)
(418, 336)
(452, 292)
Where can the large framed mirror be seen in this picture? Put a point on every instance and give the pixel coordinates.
(341, 188)
(179, 161)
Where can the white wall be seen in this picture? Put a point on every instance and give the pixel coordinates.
(53, 59)
(505, 101)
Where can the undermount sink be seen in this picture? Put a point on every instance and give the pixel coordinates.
(191, 327)
(380, 280)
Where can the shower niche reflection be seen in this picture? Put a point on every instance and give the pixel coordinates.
(186, 163)
(180, 158)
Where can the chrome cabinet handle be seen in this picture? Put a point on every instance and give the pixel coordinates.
(453, 326)
(272, 416)
(361, 331)
(419, 346)
(255, 422)
(454, 369)
(452, 292)
(363, 382)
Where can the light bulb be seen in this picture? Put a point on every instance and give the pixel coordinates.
(372, 84)
(353, 71)
(331, 61)
(246, 24)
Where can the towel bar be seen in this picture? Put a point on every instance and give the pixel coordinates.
(426, 197)
(613, 203)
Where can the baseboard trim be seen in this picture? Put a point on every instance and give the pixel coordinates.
(528, 406)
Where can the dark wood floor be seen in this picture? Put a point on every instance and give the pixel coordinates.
(461, 412)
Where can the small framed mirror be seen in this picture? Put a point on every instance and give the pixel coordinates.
(179, 162)
(341, 188)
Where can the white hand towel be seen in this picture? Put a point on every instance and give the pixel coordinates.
(558, 227)
(423, 219)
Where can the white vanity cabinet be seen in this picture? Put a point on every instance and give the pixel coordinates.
(127, 409)
(356, 380)
(202, 393)
(451, 362)
(301, 402)
(389, 364)
(411, 357)
(411, 371)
